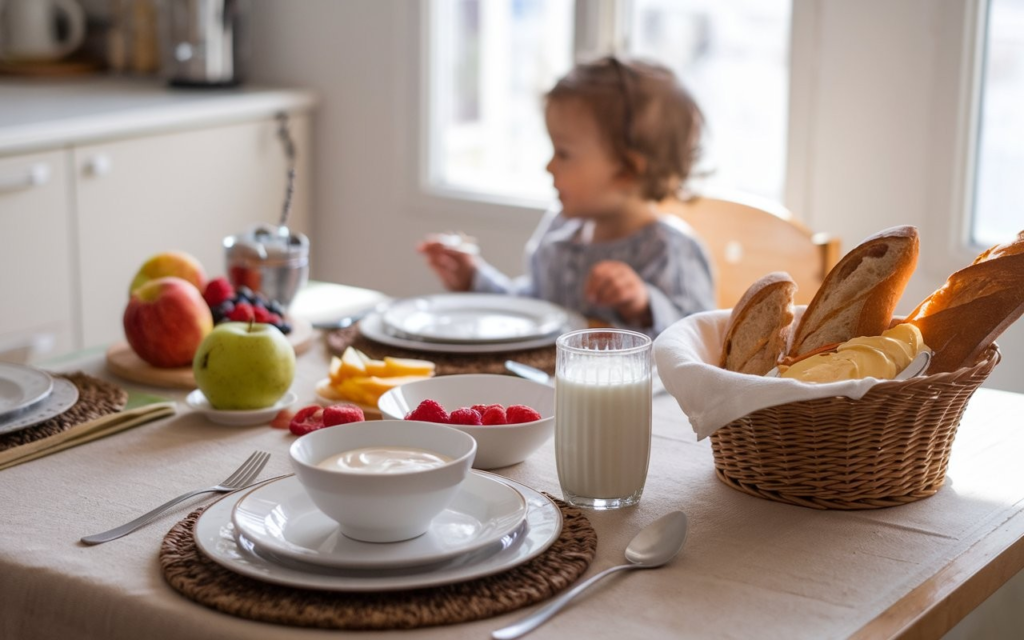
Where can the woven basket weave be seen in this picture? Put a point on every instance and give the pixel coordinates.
(889, 448)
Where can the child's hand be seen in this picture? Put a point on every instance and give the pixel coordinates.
(614, 284)
(455, 268)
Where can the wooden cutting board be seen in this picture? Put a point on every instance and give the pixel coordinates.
(124, 363)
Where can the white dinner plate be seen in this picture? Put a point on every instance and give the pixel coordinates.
(372, 327)
(21, 387)
(215, 537)
(471, 318)
(279, 517)
(198, 401)
(63, 396)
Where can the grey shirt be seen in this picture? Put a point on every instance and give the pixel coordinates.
(666, 255)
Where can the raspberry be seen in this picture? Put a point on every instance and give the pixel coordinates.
(342, 414)
(482, 408)
(243, 312)
(494, 415)
(465, 415)
(261, 314)
(429, 411)
(518, 413)
(283, 419)
(217, 291)
(306, 420)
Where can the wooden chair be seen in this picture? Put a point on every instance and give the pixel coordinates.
(749, 239)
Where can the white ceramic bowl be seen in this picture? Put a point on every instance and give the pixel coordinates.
(497, 445)
(382, 507)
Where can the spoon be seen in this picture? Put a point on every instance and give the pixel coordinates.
(654, 546)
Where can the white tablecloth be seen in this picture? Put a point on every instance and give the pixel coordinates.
(751, 568)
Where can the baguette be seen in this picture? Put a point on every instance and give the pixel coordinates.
(976, 304)
(860, 293)
(759, 326)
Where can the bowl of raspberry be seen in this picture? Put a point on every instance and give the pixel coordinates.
(509, 417)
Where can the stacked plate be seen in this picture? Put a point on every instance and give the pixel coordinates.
(29, 396)
(274, 533)
(469, 323)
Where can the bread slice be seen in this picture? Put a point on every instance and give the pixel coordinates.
(759, 325)
(860, 293)
(976, 304)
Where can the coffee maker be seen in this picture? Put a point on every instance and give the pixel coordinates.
(204, 42)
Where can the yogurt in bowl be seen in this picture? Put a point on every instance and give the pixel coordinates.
(383, 481)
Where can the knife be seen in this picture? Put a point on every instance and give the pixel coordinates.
(528, 372)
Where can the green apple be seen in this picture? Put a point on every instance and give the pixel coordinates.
(242, 365)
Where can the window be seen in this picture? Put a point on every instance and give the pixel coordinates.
(998, 188)
(492, 60)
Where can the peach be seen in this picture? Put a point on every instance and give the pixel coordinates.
(165, 321)
(170, 263)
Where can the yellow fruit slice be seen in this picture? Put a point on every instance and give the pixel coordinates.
(376, 386)
(351, 364)
(351, 390)
(408, 367)
(376, 368)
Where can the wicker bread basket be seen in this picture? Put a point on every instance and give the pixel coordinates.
(889, 448)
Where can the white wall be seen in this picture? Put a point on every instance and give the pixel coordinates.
(872, 143)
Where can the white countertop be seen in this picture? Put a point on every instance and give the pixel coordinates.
(41, 114)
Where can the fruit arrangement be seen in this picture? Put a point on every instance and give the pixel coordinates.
(228, 304)
(356, 377)
(478, 414)
(242, 366)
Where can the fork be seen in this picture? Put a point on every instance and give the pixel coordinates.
(242, 476)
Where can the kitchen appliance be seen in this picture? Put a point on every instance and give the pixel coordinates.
(271, 260)
(204, 42)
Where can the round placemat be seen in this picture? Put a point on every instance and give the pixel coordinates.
(96, 398)
(200, 579)
(447, 363)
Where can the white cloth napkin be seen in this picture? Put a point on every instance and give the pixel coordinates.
(687, 354)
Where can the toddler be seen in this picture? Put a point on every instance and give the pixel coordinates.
(625, 136)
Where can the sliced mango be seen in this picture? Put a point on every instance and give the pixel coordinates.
(377, 386)
(377, 368)
(351, 363)
(408, 367)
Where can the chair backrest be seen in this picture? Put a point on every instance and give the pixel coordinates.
(749, 240)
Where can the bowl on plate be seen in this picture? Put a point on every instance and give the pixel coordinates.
(381, 505)
(497, 445)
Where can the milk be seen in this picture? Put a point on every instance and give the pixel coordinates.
(603, 431)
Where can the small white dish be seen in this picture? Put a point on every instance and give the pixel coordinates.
(280, 518)
(62, 397)
(21, 387)
(197, 401)
(469, 318)
(378, 506)
(497, 445)
(215, 537)
(372, 327)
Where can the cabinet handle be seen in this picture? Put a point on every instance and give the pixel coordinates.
(99, 165)
(36, 175)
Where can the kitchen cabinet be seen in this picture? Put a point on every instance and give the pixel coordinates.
(37, 253)
(78, 220)
(182, 191)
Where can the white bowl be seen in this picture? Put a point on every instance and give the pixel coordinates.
(241, 417)
(497, 445)
(382, 507)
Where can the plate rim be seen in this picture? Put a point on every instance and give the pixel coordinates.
(29, 417)
(237, 417)
(559, 315)
(292, 552)
(42, 378)
(370, 328)
(259, 568)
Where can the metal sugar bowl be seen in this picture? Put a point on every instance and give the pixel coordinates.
(271, 260)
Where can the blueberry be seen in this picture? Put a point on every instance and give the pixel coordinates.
(223, 309)
(244, 294)
(285, 328)
(275, 307)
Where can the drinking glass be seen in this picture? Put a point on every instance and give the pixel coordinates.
(603, 416)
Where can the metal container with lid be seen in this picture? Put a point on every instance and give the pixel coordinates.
(271, 260)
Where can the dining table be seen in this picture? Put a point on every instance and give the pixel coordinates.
(750, 568)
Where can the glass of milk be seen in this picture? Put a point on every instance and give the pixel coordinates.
(603, 416)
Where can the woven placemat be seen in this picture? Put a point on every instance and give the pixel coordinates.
(200, 579)
(96, 398)
(447, 363)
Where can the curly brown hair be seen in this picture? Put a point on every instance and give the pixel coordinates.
(642, 109)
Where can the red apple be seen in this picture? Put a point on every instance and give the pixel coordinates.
(165, 321)
(170, 263)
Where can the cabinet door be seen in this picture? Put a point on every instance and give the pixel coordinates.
(36, 292)
(180, 191)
